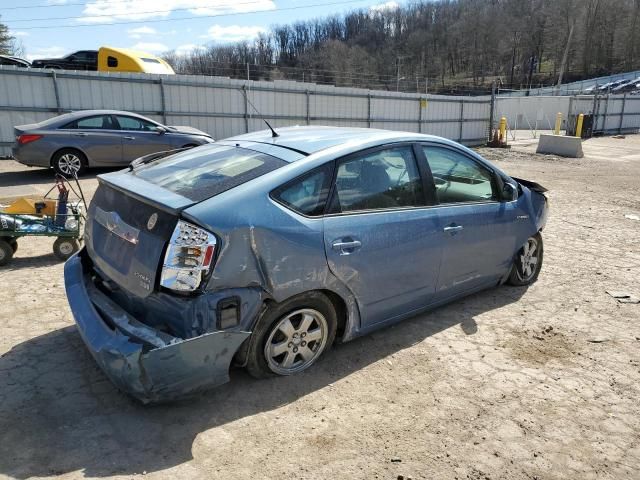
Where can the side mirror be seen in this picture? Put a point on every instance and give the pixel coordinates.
(509, 192)
(161, 130)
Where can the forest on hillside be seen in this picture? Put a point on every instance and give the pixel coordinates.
(438, 46)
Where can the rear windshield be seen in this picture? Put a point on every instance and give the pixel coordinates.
(203, 172)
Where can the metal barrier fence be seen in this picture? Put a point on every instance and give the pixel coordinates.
(222, 106)
(612, 114)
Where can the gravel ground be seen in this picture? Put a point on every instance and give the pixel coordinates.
(510, 383)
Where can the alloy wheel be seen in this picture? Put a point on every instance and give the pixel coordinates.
(528, 260)
(296, 341)
(69, 164)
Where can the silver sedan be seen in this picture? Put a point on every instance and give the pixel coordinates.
(72, 142)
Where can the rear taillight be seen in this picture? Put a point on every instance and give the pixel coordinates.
(28, 138)
(188, 258)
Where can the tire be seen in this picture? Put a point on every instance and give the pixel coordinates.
(6, 253)
(68, 160)
(523, 271)
(64, 247)
(307, 314)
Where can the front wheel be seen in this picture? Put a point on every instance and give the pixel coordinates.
(292, 336)
(6, 253)
(64, 247)
(527, 263)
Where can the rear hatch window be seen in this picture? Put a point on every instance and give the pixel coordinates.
(206, 171)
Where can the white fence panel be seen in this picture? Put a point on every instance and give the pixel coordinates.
(223, 106)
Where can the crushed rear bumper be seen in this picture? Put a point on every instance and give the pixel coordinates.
(146, 363)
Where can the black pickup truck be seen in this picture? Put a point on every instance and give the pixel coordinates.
(80, 60)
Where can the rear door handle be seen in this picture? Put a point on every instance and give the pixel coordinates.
(80, 134)
(346, 247)
(453, 229)
(128, 137)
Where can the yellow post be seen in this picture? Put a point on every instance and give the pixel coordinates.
(579, 125)
(558, 123)
(503, 129)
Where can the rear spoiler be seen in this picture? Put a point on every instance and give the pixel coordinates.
(155, 156)
(536, 187)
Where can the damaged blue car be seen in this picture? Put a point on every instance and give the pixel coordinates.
(264, 249)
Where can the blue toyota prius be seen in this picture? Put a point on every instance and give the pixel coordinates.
(264, 249)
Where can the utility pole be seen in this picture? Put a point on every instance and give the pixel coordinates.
(564, 57)
(398, 77)
(247, 70)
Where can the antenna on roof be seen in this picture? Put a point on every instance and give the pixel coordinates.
(274, 134)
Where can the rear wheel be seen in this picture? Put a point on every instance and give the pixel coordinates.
(6, 253)
(69, 162)
(64, 247)
(528, 262)
(292, 336)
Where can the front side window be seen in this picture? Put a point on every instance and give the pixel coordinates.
(308, 194)
(458, 179)
(381, 179)
(137, 124)
(204, 172)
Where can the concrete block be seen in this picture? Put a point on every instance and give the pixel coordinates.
(559, 145)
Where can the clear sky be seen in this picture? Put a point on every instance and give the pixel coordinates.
(51, 28)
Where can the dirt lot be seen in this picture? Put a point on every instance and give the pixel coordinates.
(508, 384)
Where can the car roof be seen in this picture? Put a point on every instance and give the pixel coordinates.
(71, 116)
(311, 139)
(89, 113)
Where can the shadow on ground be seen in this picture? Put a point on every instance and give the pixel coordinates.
(18, 262)
(59, 413)
(39, 176)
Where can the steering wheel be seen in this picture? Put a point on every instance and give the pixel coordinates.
(440, 182)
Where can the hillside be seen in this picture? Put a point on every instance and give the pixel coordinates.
(447, 45)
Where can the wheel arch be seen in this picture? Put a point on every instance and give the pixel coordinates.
(344, 327)
(57, 151)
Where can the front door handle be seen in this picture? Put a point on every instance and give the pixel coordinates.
(129, 138)
(452, 229)
(80, 134)
(346, 246)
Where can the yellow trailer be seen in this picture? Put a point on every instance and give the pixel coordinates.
(124, 60)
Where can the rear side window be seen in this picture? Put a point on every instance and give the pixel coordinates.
(204, 172)
(112, 62)
(100, 122)
(307, 194)
(381, 179)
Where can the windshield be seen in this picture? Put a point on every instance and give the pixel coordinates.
(206, 171)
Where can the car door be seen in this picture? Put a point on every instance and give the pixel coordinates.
(476, 227)
(140, 137)
(98, 137)
(382, 238)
